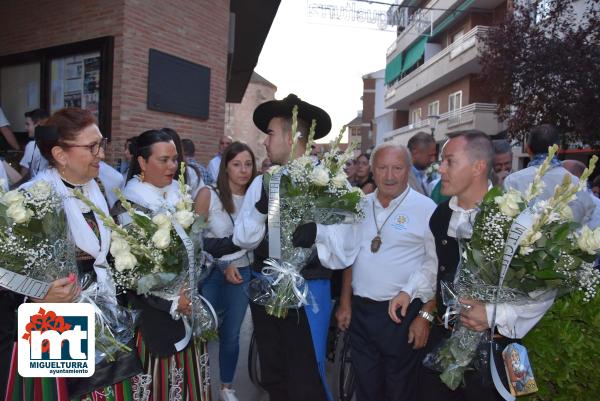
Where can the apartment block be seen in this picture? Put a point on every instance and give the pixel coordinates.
(432, 71)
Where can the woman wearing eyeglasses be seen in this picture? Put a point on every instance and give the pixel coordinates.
(74, 147)
(175, 365)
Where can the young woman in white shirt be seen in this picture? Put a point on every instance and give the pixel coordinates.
(226, 285)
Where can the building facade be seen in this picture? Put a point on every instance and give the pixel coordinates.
(432, 71)
(136, 64)
(238, 116)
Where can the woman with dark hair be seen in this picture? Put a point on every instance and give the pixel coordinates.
(192, 176)
(74, 148)
(363, 177)
(174, 364)
(225, 287)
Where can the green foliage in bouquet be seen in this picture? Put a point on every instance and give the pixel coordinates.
(564, 350)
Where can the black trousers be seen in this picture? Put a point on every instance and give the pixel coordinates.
(288, 365)
(9, 302)
(478, 383)
(383, 360)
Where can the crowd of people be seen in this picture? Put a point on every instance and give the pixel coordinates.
(392, 262)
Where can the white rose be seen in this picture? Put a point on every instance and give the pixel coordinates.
(125, 261)
(118, 246)
(185, 218)
(319, 176)
(509, 203)
(339, 180)
(14, 196)
(40, 190)
(18, 213)
(589, 241)
(162, 238)
(162, 221)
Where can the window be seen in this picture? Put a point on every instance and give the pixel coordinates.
(74, 74)
(454, 101)
(416, 115)
(433, 109)
(20, 92)
(457, 36)
(75, 82)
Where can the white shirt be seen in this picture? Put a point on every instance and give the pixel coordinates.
(583, 207)
(33, 159)
(213, 166)
(513, 321)
(250, 228)
(3, 120)
(111, 179)
(406, 260)
(4, 184)
(196, 183)
(220, 225)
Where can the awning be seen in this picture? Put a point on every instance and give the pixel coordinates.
(453, 15)
(414, 53)
(253, 19)
(393, 69)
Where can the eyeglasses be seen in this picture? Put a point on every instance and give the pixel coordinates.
(94, 148)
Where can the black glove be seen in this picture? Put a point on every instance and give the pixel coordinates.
(304, 236)
(263, 203)
(218, 247)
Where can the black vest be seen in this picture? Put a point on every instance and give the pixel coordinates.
(446, 249)
(312, 271)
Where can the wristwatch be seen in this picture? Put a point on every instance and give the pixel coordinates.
(426, 315)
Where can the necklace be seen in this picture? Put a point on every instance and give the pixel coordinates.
(376, 242)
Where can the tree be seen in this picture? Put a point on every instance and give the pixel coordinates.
(542, 65)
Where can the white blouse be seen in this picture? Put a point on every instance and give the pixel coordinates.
(220, 225)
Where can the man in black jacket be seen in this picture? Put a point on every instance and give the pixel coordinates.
(466, 166)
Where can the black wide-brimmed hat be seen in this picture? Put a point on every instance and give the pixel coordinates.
(283, 108)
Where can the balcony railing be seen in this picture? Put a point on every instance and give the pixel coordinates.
(454, 50)
(450, 119)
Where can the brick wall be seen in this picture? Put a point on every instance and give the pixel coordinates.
(238, 118)
(193, 30)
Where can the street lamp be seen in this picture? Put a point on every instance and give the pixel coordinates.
(433, 122)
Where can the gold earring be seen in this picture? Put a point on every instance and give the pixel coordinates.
(142, 177)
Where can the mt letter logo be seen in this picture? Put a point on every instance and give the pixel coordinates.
(56, 340)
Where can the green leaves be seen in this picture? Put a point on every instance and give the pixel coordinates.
(564, 350)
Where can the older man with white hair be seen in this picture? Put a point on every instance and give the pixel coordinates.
(394, 265)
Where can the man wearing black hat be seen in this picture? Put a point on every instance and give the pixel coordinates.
(291, 349)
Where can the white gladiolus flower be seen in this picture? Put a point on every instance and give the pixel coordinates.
(339, 180)
(185, 218)
(162, 238)
(588, 240)
(319, 176)
(18, 213)
(125, 261)
(525, 250)
(14, 196)
(181, 205)
(566, 213)
(509, 203)
(162, 221)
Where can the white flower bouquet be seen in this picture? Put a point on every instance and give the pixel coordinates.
(162, 253)
(34, 234)
(309, 192)
(35, 242)
(553, 256)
